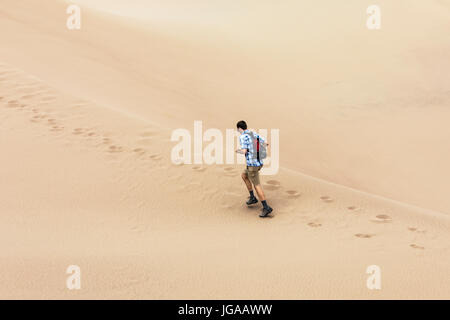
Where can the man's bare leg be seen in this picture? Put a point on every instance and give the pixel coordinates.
(260, 193)
(247, 182)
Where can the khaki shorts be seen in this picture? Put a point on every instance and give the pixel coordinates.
(253, 174)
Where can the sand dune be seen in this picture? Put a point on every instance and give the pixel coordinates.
(362, 98)
(86, 176)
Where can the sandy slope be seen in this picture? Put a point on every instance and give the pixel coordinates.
(375, 100)
(86, 177)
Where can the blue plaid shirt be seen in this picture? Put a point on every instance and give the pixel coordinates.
(246, 143)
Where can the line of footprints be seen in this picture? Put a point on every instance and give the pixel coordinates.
(56, 126)
(39, 116)
(293, 194)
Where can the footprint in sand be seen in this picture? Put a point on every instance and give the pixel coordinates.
(84, 132)
(78, 131)
(198, 169)
(364, 235)
(230, 172)
(155, 157)
(52, 123)
(13, 104)
(293, 194)
(414, 229)
(415, 246)
(57, 129)
(353, 208)
(115, 149)
(272, 185)
(38, 117)
(178, 162)
(314, 225)
(139, 151)
(382, 218)
(326, 199)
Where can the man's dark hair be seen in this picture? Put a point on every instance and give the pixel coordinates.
(242, 125)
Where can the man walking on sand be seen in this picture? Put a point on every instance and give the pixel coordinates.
(254, 164)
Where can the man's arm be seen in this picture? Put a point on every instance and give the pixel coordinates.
(244, 145)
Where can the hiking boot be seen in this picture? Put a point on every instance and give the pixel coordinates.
(265, 212)
(251, 200)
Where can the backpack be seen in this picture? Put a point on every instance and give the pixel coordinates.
(260, 150)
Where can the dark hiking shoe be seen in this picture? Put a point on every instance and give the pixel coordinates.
(252, 200)
(265, 212)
